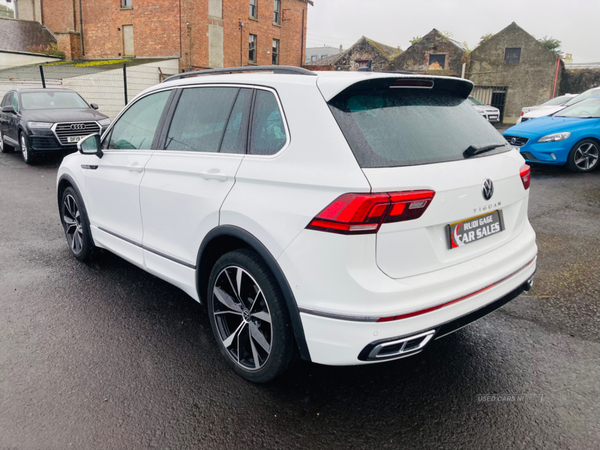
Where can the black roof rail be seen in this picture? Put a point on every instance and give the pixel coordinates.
(285, 70)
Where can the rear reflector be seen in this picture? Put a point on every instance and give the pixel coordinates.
(526, 176)
(364, 213)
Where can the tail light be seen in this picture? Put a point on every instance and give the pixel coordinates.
(364, 213)
(526, 176)
(522, 113)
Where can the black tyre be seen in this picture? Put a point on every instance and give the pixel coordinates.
(584, 156)
(28, 155)
(4, 147)
(76, 224)
(248, 316)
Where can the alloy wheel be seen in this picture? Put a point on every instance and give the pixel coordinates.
(586, 156)
(242, 318)
(24, 148)
(73, 226)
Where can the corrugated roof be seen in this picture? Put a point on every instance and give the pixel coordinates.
(329, 60)
(592, 65)
(20, 35)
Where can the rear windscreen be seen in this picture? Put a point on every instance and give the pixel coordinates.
(403, 127)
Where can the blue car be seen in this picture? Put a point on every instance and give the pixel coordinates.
(570, 136)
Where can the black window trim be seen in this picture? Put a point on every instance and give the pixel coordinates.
(165, 121)
(159, 127)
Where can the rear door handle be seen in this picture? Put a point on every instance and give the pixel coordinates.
(213, 174)
(135, 168)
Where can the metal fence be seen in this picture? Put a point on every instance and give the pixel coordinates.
(110, 86)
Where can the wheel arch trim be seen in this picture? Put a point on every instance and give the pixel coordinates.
(272, 264)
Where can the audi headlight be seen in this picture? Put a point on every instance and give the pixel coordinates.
(39, 125)
(554, 137)
(104, 122)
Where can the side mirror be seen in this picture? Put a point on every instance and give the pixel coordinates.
(94, 106)
(90, 145)
(8, 109)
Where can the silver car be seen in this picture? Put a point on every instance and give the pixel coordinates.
(491, 113)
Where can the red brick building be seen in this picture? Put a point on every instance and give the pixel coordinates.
(202, 33)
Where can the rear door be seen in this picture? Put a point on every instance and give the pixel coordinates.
(187, 181)
(408, 139)
(113, 181)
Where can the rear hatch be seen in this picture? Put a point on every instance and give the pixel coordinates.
(422, 135)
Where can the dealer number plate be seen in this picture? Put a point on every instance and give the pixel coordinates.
(474, 229)
(74, 138)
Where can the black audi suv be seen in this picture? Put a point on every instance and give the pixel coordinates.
(42, 121)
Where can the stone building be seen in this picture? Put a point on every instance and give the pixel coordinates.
(433, 54)
(512, 69)
(201, 33)
(365, 50)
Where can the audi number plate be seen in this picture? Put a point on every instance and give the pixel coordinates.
(474, 229)
(74, 138)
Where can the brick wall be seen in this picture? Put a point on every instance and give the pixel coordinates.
(156, 29)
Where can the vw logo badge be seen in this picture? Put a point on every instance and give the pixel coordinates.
(487, 189)
(77, 126)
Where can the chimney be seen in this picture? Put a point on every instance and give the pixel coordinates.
(341, 50)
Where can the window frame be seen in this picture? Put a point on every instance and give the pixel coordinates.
(169, 112)
(275, 51)
(250, 49)
(437, 55)
(506, 52)
(277, 12)
(253, 3)
(124, 4)
(159, 128)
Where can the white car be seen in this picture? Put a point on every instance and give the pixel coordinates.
(355, 217)
(491, 113)
(552, 109)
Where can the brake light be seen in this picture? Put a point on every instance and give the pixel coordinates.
(522, 113)
(525, 173)
(364, 213)
(424, 84)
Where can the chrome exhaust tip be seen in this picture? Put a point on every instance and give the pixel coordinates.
(529, 283)
(396, 348)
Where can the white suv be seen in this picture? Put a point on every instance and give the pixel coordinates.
(351, 216)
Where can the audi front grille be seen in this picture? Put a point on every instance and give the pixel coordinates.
(65, 130)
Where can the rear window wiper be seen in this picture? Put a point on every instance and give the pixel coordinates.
(475, 150)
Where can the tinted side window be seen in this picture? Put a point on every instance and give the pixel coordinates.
(200, 118)
(234, 140)
(15, 102)
(136, 128)
(268, 131)
(6, 99)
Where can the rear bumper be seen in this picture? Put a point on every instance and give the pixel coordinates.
(415, 343)
(345, 342)
(342, 293)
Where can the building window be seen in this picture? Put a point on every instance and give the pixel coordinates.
(126, 3)
(437, 62)
(512, 55)
(253, 9)
(277, 12)
(275, 52)
(252, 48)
(313, 58)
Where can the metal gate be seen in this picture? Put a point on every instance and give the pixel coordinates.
(492, 95)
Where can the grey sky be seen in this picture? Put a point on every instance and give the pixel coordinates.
(394, 22)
